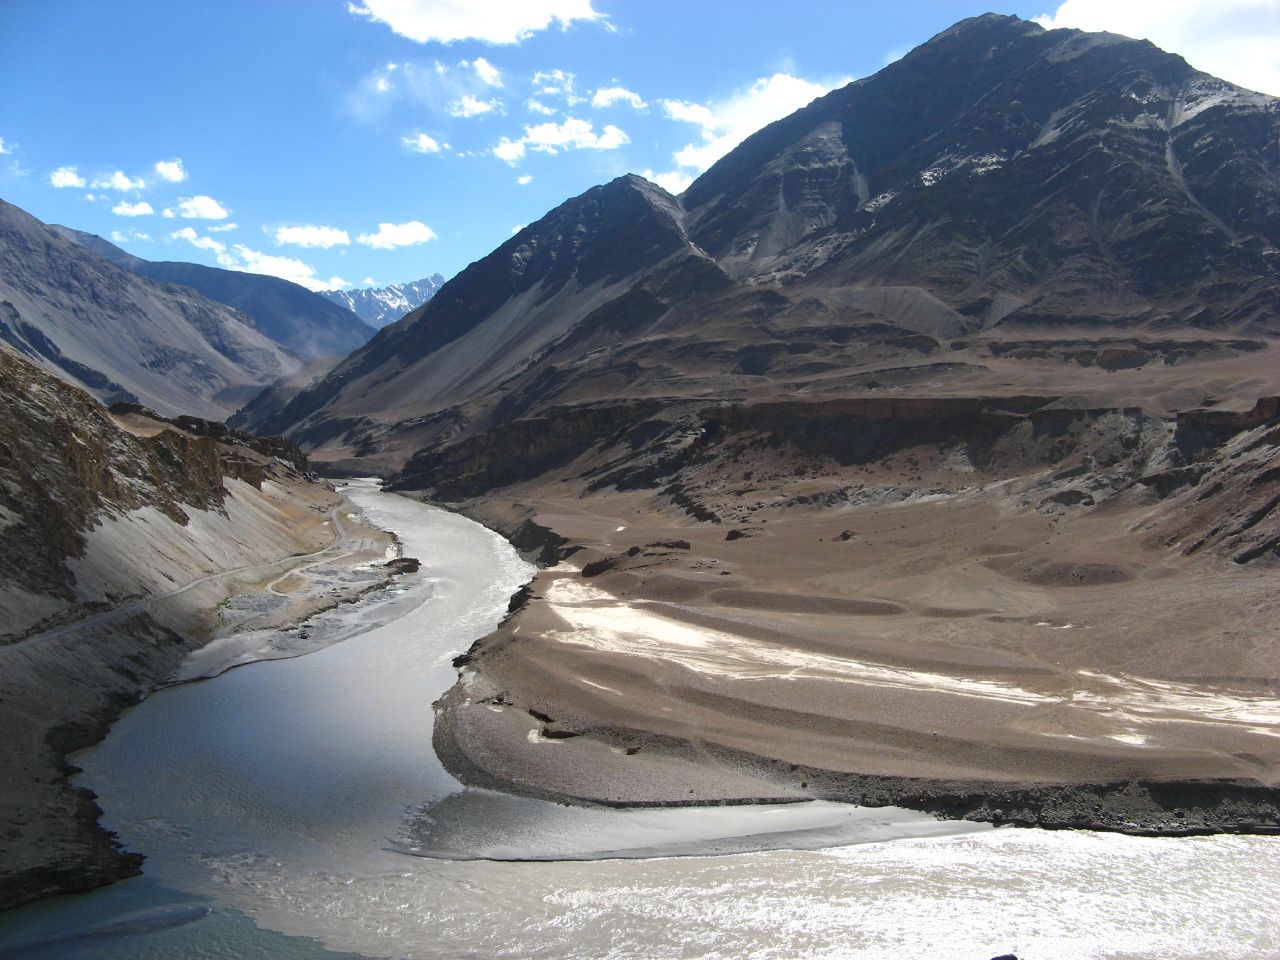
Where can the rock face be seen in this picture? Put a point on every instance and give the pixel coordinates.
(382, 306)
(105, 519)
(122, 337)
(308, 324)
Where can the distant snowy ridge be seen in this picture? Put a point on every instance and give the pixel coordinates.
(383, 305)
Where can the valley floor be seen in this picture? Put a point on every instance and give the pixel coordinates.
(974, 651)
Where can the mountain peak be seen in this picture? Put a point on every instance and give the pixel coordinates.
(988, 23)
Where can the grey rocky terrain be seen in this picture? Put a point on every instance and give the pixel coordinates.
(122, 337)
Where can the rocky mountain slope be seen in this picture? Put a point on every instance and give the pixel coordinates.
(308, 324)
(381, 306)
(926, 444)
(120, 336)
(120, 533)
(999, 184)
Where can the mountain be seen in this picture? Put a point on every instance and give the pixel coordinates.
(306, 323)
(381, 306)
(922, 452)
(1000, 183)
(120, 336)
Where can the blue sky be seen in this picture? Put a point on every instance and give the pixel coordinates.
(374, 141)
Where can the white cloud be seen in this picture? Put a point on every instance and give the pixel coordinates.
(537, 106)
(308, 236)
(220, 228)
(557, 83)
(573, 134)
(242, 258)
(286, 268)
(1238, 40)
(167, 213)
(726, 123)
(496, 21)
(119, 236)
(421, 143)
(139, 209)
(517, 228)
(118, 181)
(203, 243)
(201, 208)
(509, 150)
(608, 96)
(4, 148)
(672, 181)
(392, 235)
(469, 106)
(65, 177)
(489, 75)
(172, 170)
(525, 180)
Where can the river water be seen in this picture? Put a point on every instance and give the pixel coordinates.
(284, 808)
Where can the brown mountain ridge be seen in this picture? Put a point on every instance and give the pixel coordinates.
(925, 449)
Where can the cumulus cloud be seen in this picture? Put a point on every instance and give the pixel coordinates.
(421, 143)
(557, 83)
(392, 235)
(139, 209)
(608, 96)
(496, 21)
(242, 258)
(309, 236)
(469, 106)
(463, 90)
(119, 236)
(167, 213)
(489, 75)
(172, 170)
(1238, 40)
(202, 243)
(201, 208)
(220, 228)
(524, 180)
(4, 148)
(725, 124)
(573, 134)
(537, 106)
(66, 177)
(672, 181)
(118, 181)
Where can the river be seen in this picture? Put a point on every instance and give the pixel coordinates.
(286, 807)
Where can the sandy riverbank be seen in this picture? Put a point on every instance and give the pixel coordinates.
(958, 654)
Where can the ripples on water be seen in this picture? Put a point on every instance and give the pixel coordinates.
(280, 791)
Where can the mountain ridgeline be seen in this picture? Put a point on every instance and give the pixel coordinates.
(1002, 198)
(381, 306)
(123, 337)
(306, 323)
